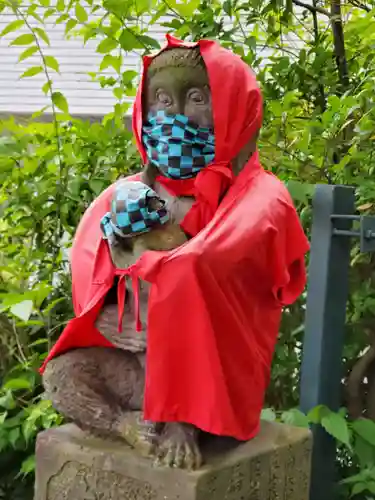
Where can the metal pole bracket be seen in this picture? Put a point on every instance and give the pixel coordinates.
(366, 232)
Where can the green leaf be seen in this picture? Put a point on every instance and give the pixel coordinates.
(52, 304)
(17, 384)
(32, 7)
(39, 112)
(47, 87)
(119, 8)
(316, 414)
(358, 488)
(118, 92)
(44, 3)
(268, 414)
(24, 40)
(60, 5)
(81, 13)
(43, 35)
(337, 427)
(63, 18)
(35, 70)
(37, 17)
(295, 417)
(299, 191)
(29, 429)
(148, 41)
(14, 26)
(129, 41)
(23, 309)
(334, 103)
(60, 102)
(15, 421)
(370, 485)
(27, 53)
(48, 13)
(113, 61)
(128, 76)
(52, 63)
(364, 451)
(97, 186)
(7, 401)
(72, 23)
(28, 465)
(366, 429)
(363, 476)
(13, 436)
(186, 9)
(38, 342)
(106, 45)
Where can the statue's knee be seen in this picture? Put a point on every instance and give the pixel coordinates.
(51, 376)
(66, 370)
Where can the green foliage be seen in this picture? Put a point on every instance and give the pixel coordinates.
(319, 127)
(353, 437)
(47, 182)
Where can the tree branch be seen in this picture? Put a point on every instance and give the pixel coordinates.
(311, 8)
(339, 44)
(321, 97)
(360, 5)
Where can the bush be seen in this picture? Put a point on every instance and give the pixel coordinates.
(47, 181)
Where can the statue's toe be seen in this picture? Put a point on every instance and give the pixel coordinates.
(178, 447)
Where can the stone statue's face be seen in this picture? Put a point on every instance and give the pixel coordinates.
(180, 90)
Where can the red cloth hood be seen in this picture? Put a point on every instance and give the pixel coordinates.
(215, 302)
(237, 112)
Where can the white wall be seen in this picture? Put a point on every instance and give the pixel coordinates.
(85, 97)
(76, 60)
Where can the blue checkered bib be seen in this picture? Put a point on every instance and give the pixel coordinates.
(135, 209)
(176, 146)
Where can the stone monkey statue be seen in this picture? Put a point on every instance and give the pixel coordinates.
(101, 389)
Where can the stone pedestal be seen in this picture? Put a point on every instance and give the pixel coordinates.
(273, 466)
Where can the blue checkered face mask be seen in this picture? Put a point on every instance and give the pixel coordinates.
(176, 146)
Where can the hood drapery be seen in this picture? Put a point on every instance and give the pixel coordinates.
(237, 115)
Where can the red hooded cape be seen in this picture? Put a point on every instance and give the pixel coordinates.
(215, 303)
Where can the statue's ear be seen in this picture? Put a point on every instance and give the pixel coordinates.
(154, 204)
(149, 174)
(245, 154)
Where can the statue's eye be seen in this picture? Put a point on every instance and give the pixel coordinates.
(164, 98)
(197, 97)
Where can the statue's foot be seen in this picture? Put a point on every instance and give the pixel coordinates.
(138, 433)
(178, 447)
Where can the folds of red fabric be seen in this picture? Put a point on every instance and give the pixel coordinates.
(215, 306)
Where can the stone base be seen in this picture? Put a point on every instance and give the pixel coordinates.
(74, 466)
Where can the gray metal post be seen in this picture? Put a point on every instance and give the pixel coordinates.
(325, 324)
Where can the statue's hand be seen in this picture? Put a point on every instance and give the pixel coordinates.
(178, 447)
